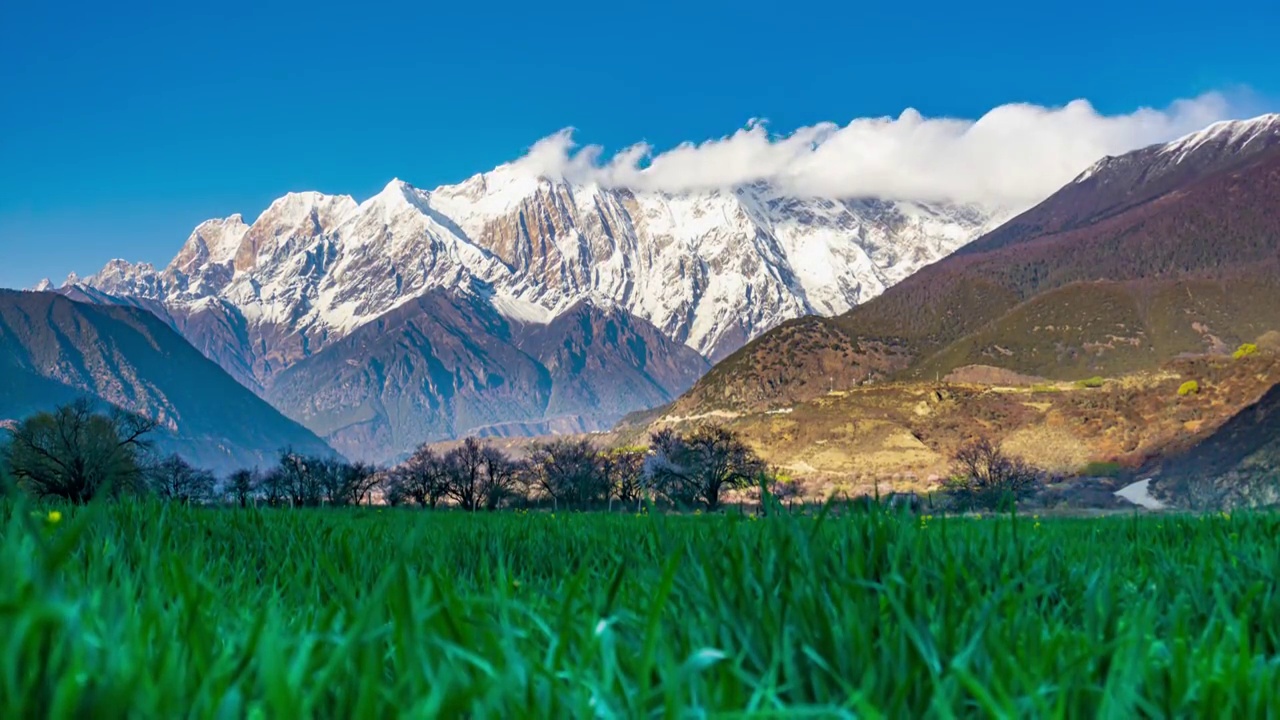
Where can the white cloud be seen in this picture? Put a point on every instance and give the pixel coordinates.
(1014, 155)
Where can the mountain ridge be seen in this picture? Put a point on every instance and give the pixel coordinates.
(670, 281)
(1215, 223)
(54, 350)
(545, 245)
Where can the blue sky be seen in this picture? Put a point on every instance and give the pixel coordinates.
(123, 126)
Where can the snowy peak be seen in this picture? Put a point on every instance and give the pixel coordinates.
(308, 212)
(397, 197)
(711, 270)
(1228, 135)
(1217, 146)
(488, 195)
(213, 241)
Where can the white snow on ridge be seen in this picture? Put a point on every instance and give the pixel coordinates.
(1232, 132)
(709, 269)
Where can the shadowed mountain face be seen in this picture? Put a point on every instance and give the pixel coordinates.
(1168, 250)
(53, 350)
(1239, 465)
(447, 365)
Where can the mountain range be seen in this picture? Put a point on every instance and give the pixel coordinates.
(513, 304)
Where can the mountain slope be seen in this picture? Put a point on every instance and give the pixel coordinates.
(1154, 229)
(53, 350)
(446, 365)
(1239, 465)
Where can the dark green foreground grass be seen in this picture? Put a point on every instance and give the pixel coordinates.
(142, 611)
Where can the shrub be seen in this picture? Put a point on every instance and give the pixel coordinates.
(1099, 468)
(1244, 350)
(987, 479)
(1093, 382)
(1190, 387)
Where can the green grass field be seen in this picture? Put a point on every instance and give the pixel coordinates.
(144, 611)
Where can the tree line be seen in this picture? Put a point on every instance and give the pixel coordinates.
(75, 454)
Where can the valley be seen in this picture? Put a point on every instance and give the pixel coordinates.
(848, 361)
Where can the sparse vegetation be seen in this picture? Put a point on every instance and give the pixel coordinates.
(986, 478)
(1102, 468)
(1244, 350)
(1093, 382)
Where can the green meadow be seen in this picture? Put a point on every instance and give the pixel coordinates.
(149, 611)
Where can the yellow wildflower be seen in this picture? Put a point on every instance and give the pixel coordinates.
(55, 517)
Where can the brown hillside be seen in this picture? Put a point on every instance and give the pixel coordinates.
(1214, 237)
(902, 434)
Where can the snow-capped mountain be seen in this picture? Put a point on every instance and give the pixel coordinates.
(710, 270)
(1235, 139)
(636, 292)
(1116, 183)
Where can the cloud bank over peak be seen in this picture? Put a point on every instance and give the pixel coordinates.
(1014, 155)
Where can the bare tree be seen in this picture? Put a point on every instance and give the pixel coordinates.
(360, 480)
(623, 471)
(242, 485)
(274, 487)
(74, 453)
(342, 483)
(987, 478)
(423, 477)
(175, 480)
(391, 485)
(569, 471)
(702, 465)
(301, 478)
(501, 477)
(464, 470)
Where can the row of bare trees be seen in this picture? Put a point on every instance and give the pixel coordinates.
(75, 454)
(687, 470)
